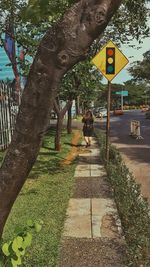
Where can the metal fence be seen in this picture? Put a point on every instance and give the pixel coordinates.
(8, 113)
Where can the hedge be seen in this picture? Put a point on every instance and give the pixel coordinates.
(133, 208)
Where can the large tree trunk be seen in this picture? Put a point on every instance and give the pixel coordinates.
(69, 120)
(58, 133)
(77, 81)
(63, 45)
(77, 104)
(60, 117)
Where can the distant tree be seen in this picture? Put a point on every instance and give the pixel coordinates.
(139, 92)
(140, 70)
(60, 111)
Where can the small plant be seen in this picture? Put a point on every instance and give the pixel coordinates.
(12, 252)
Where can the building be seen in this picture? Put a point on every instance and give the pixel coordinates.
(6, 72)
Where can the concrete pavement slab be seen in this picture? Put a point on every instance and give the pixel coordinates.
(86, 216)
(83, 167)
(102, 209)
(78, 223)
(87, 154)
(78, 226)
(95, 152)
(94, 141)
(97, 173)
(102, 206)
(79, 207)
(82, 173)
(105, 226)
(97, 167)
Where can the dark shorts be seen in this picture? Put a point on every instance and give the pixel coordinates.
(88, 131)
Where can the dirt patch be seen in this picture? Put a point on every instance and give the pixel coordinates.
(92, 253)
(74, 148)
(95, 187)
(109, 227)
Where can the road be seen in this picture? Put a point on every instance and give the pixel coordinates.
(136, 153)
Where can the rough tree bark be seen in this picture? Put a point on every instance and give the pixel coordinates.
(77, 81)
(69, 120)
(60, 117)
(63, 45)
(77, 103)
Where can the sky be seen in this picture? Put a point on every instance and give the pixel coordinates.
(133, 54)
(136, 54)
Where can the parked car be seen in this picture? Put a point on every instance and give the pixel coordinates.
(118, 111)
(100, 112)
(144, 109)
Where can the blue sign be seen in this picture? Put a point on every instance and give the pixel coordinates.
(122, 93)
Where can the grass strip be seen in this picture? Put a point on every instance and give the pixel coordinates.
(44, 197)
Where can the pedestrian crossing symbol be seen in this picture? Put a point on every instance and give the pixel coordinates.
(110, 61)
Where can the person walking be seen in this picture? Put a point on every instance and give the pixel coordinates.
(88, 127)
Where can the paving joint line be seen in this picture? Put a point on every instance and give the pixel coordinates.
(91, 217)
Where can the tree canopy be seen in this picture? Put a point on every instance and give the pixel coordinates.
(140, 70)
(31, 19)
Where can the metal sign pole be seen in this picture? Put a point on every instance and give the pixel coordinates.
(122, 100)
(110, 61)
(108, 122)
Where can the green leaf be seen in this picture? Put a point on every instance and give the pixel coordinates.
(18, 230)
(1, 264)
(41, 222)
(38, 227)
(27, 241)
(5, 249)
(17, 243)
(21, 252)
(17, 262)
(30, 223)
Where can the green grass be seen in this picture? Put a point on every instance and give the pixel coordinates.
(44, 197)
(78, 118)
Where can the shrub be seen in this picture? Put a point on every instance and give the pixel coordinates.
(132, 207)
(12, 252)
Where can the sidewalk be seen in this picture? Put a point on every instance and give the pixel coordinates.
(92, 232)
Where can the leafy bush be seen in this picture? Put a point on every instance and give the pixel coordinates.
(12, 252)
(132, 207)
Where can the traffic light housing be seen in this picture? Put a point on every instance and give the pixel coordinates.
(110, 60)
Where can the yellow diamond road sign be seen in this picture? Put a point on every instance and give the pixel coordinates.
(110, 61)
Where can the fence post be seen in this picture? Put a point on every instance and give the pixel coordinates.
(8, 113)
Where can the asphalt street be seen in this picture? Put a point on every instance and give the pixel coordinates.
(135, 152)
